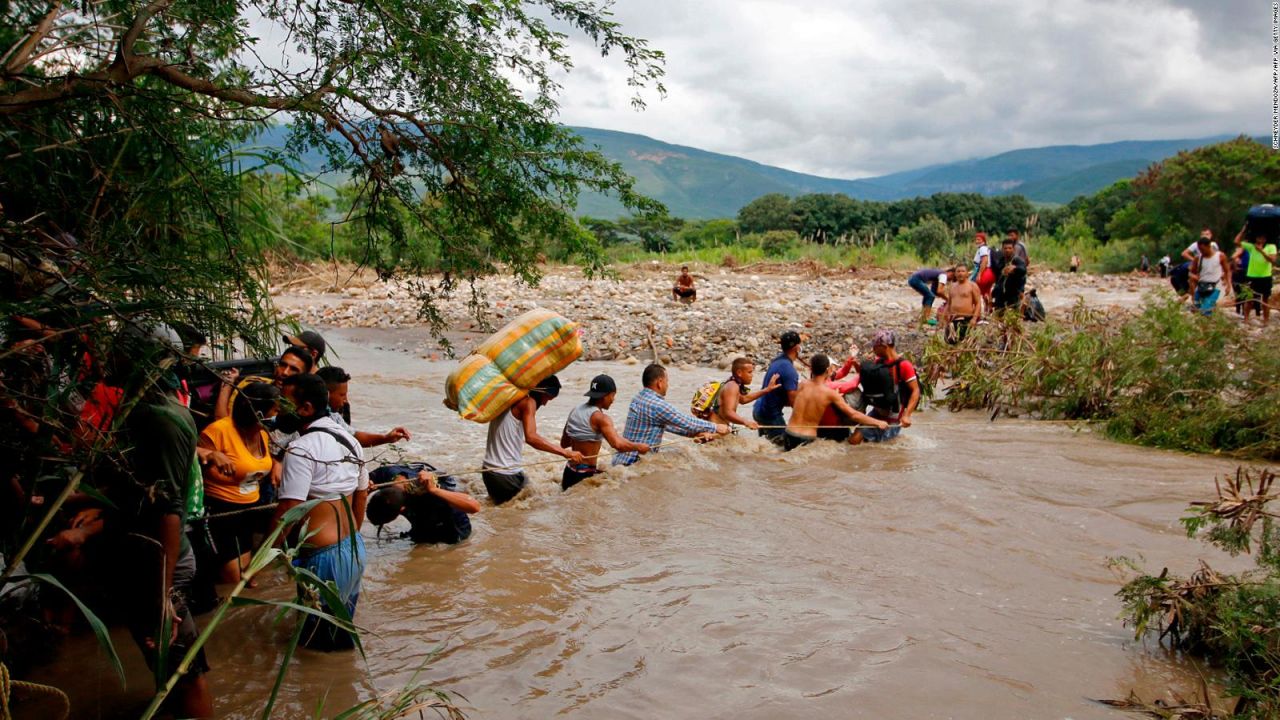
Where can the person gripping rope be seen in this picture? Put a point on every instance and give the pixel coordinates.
(767, 411)
(324, 462)
(651, 414)
(812, 401)
(509, 432)
(884, 381)
(588, 427)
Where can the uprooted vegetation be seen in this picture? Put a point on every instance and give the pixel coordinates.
(1231, 620)
(1163, 377)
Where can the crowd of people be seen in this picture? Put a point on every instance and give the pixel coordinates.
(196, 499)
(189, 502)
(996, 282)
(1207, 274)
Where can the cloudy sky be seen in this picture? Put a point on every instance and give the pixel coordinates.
(853, 88)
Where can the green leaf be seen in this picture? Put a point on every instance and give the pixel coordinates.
(99, 629)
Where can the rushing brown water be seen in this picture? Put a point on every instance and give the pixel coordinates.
(956, 573)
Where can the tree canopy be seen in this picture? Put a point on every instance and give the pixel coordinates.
(125, 124)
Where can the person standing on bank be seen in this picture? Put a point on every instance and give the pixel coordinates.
(768, 409)
(1208, 270)
(588, 427)
(1011, 275)
(516, 427)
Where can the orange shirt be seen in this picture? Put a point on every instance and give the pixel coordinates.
(250, 469)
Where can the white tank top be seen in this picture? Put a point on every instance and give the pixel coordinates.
(504, 452)
(1211, 268)
(578, 426)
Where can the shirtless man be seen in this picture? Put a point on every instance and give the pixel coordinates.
(588, 425)
(812, 400)
(684, 290)
(724, 409)
(964, 305)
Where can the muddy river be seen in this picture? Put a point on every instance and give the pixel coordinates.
(959, 572)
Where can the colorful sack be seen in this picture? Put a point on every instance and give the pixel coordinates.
(704, 399)
(531, 348)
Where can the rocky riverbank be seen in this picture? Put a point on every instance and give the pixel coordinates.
(632, 317)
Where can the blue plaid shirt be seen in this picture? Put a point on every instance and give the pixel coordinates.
(649, 416)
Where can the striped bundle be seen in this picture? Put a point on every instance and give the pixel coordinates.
(505, 367)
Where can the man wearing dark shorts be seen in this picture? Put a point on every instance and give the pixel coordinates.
(684, 289)
(1011, 276)
(503, 467)
(1262, 257)
(768, 409)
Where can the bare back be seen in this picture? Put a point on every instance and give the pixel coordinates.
(812, 400)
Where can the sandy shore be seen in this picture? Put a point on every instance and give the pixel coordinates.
(740, 311)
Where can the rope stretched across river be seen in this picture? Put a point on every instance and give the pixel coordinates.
(825, 427)
(473, 471)
(557, 461)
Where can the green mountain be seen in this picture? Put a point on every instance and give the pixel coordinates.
(1063, 188)
(699, 184)
(1025, 172)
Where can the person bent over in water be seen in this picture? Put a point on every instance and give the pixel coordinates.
(436, 510)
(812, 400)
(587, 427)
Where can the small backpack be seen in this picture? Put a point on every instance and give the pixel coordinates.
(879, 386)
(704, 399)
(1033, 310)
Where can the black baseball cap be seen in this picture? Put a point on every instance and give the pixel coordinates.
(309, 339)
(601, 385)
(789, 339)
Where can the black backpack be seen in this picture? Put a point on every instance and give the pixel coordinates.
(879, 388)
(1033, 310)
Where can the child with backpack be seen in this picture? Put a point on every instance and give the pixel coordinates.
(719, 401)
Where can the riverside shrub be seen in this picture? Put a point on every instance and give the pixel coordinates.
(1164, 377)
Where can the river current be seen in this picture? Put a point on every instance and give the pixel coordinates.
(958, 572)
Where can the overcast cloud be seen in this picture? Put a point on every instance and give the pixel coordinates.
(852, 88)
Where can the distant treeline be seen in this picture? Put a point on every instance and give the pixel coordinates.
(1160, 211)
